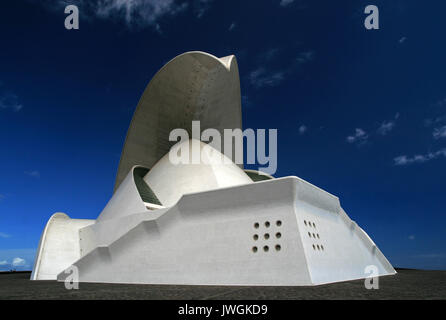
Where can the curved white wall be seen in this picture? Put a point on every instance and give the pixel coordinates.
(58, 247)
(169, 181)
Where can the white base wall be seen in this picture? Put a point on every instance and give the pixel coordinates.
(208, 238)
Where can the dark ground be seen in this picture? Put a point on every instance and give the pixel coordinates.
(407, 284)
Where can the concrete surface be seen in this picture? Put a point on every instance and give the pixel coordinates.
(192, 86)
(280, 232)
(406, 284)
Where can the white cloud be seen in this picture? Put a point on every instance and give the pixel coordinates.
(302, 129)
(439, 132)
(140, 13)
(402, 40)
(360, 137)
(232, 26)
(405, 160)
(266, 76)
(386, 127)
(10, 101)
(3, 263)
(305, 57)
(201, 6)
(411, 237)
(285, 3)
(18, 262)
(260, 78)
(4, 235)
(34, 173)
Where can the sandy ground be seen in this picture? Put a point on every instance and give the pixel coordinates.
(407, 284)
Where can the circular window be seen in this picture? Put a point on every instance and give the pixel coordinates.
(314, 225)
(256, 225)
(305, 221)
(278, 247)
(309, 234)
(267, 224)
(319, 248)
(278, 235)
(318, 236)
(256, 237)
(278, 223)
(322, 247)
(254, 249)
(266, 248)
(314, 236)
(314, 247)
(266, 236)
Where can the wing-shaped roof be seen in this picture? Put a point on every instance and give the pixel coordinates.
(192, 86)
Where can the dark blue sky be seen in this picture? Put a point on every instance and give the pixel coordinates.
(360, 113)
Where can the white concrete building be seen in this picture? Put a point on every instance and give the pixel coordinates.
(205, 224)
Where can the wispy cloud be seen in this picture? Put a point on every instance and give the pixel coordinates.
(18, 259)
(302, 129)
(285, 3)
(4, 235)
(10, 101)
(261, 78)
(266, 75)
(135, 13)
(402, 40)
(201, 6)
(34, 173)
(232, 26)
(420, 158)
(359, 137)
(18, 262)
(304, 57)
(439, 132)
(411, 237)
(386, 127)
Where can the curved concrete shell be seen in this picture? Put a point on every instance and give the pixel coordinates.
(193, 86)
(205, 223)
(171, 181)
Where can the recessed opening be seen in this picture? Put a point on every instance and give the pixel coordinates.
(278, 235)
(305, 221)
(278, 223)
(256, 237)
(314, 225)
(309, 234)
(278, 247)
(256, 225)
(314, 247)
(322, 247)
(267, 224)
(314, 236)
(254, 249)
(266, 248)
(266, 236)
(319, 248)
(318, 236)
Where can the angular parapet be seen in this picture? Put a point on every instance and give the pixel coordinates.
(276, 232)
